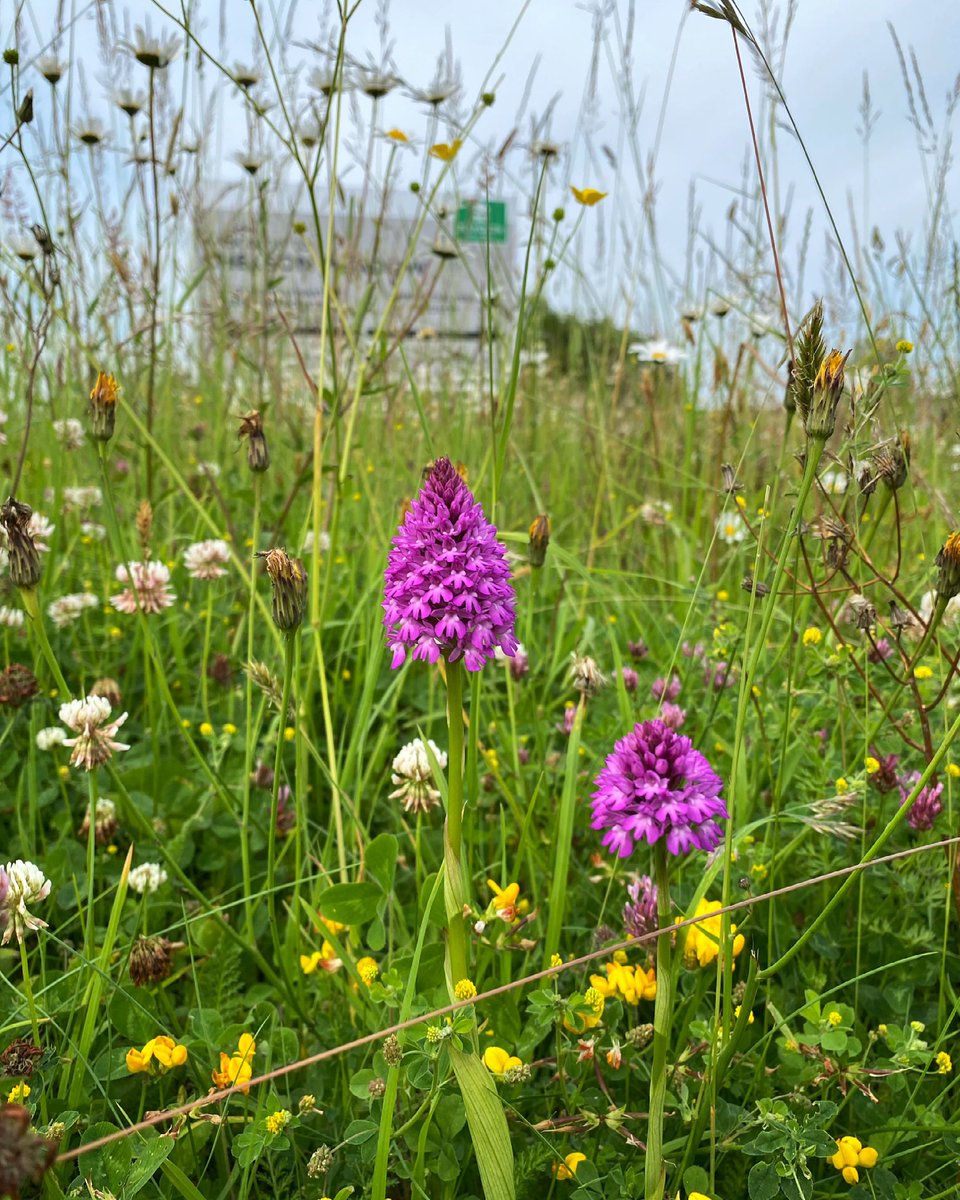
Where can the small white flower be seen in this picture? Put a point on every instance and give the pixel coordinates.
(656, 512)
(928, 602)
(71, 433)
(94, 742)
(52, 736)
(81, 498)
(413, 776)
(151, 587)
(731, 527)
(323, 542)
(40, 528)
(834, 483)
(659, 352)
(71, 607)
(204, 559)
(147, 878)
(26, 884)
(13, 618)
(3, 421)
(92, 530)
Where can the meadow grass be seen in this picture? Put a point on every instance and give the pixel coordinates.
(303, 923)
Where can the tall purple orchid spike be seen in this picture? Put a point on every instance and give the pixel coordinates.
(655, 785)
(447, 585)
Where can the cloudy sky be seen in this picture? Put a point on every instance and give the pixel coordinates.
(567, 67)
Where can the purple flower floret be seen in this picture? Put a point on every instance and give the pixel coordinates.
(927, 806)
(656, 785)
(447, 584)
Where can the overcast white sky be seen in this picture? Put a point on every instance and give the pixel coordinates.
(704, 134)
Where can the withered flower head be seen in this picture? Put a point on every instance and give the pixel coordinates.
(103, 407)
(289, 579)
(24, 1155)
(730, 485)
(821, 418)
(755, 587)
(150, 960)
(109, 689)
(24, 556)
(892, 461)
(18, 684)
(586, 675)
(948, 562)
(19, 1058)
(539, 540)
(104, 822)
(862, 611)
(251, 428)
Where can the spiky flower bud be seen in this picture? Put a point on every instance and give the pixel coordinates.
(539, 540)
(640, 1036)
(150, 960)
(251, 428)
(821, 418)
(321, 1160)
(803, 371)
(948, 563)
(288, 577)
(24, 556)
(103, 407)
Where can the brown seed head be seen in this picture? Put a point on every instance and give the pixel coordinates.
(150, 960)
(19, 1058)
(251, 428)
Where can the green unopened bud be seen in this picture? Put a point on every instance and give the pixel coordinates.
(289, 580)
(24, 556)
(539, 540)
(103, 407)
(821, 418)
(948, 563)
(488, 98)
(11, 57)
(251, 428)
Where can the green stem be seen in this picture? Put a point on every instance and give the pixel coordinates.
(289, 655)
(454, 888)
(91, 859)
(654, 1171)
(32, 607)
(28, 989)
(248, 729)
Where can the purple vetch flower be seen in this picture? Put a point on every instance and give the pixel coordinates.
(630, 679)
(695, 651)
(885, 779)
(662, 690)
(447, 584)
(719, 677)
(881, 650)
(640, 912)
(927, 806)
(672, 715)
(655, 785)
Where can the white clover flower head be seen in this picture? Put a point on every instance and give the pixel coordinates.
(40, 528)
(70, 432)
(89, 719)
(204, 560)
(150, 591)
(66, 609)
(12, 618)
(52, 736)
(412, 776)
(147, 878)
(90, 529)
(26, 884)
(323, 542)
(81, 497)
(731, 527)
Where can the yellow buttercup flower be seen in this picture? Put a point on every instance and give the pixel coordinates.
(923, 672)
(588, 196)
(446, 152)
(498, 1061)
(568, 1168)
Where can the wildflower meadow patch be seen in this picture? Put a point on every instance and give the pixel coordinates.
(464, 738)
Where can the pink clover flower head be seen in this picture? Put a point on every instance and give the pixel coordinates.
(204, 560)
(654, 785)
(672, 715)
(662, 690)
(927, 806)
(630, 679)
(640, 912)
(447, 586)
(151, 588)
(89, 719)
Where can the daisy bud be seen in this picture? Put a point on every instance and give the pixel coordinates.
(539, 540)
(103, 407)
(251, 428)
(289, 579)
(21, 546)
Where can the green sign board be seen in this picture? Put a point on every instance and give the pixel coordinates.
(479, 222)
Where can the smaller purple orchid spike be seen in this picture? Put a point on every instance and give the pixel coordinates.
(447, 586)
